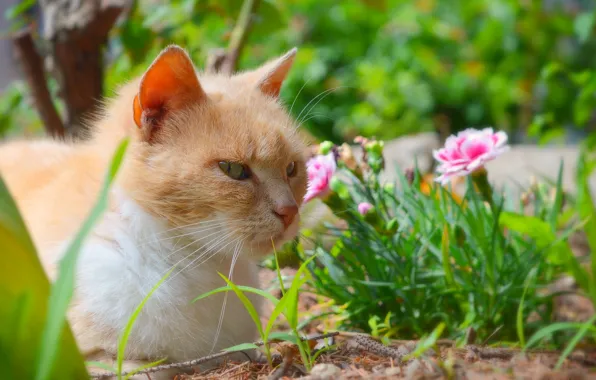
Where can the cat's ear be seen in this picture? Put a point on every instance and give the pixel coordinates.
(170, 84)
(270, 76)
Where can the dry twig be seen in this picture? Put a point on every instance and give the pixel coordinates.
(194, 362)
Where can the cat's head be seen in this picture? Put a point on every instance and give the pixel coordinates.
(217, 155)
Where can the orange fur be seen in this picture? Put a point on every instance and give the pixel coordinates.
(180, 127)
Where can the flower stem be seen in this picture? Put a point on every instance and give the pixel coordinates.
(480, 180)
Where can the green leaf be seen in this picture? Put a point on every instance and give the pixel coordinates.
(426, 343)
(241, 347)
(18, 9)
(547, 331)
(62, 290)
(279, 308)
(144, 366)
(587, 211)
(528, 225)
(584, 25)
(131, 321)
(540, 231)
(520, 311)
(575, 340)
(291, 310)
(278, 270)
(248, 289)
(247, 304)
(557, 206)
(288, 337)
(100, 365)
(445, 257)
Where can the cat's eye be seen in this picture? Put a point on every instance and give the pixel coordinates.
(234, 170)
(291, 169)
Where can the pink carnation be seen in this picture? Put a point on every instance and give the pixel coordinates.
(468, 151)
(364, 208)
(319, 169)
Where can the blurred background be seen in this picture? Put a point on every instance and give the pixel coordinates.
(383, 68)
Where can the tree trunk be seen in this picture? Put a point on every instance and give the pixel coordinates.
(76, 32)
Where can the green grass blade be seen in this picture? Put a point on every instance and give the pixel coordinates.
(241, 347)
(279, 308)
(587, 211)
(549, 330)
(445, 255)
(427, 343)
(291, 310)
(62, 290)
(100, 365)
(131, 321)
(279, 335)
(575, 340)
(247, 304)
(278, 270)
(248, 289)
(144, 366)
(556, 209)
(520, 312)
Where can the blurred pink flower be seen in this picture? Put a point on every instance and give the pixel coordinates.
(468, 151)
(319, 170)
(364, 208)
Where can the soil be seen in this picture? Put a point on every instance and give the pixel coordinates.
(360, 356)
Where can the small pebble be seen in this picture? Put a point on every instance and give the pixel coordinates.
(393, 371)
(413, 368)
(325, 370)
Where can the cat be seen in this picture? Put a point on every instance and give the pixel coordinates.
(213, 174)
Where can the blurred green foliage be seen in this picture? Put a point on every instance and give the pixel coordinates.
(392, 67)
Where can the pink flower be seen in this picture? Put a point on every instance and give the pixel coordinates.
(319, 170)
(468, 151)
(364, 208)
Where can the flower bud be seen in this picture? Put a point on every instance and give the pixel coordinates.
(325, 147)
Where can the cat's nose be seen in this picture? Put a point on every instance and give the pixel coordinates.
(286, 213)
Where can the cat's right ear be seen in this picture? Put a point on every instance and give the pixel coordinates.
(170, 84)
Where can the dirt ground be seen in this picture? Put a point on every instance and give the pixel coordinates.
(359, 356)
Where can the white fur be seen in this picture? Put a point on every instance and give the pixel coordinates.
(127, 254)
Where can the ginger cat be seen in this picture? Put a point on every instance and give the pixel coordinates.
(214, 172)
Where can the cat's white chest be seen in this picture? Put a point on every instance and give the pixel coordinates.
(123, 260)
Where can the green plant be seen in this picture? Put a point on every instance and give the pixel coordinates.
(287, 305)
(37, 336)
(389, 68)
(128, 329)
(428, 257)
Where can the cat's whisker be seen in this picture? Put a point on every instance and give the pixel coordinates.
(235, 256)
(298, 94)
(320, 96)
(203, 229)
(215, 252)
(189, 244)
(208, 248)
(181, 227)
(198, 249)
(209, 251)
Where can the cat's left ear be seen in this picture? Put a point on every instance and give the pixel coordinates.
(270, 76)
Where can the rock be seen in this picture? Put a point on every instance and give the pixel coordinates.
(393, 371)
(414, 369)
(325, 371)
